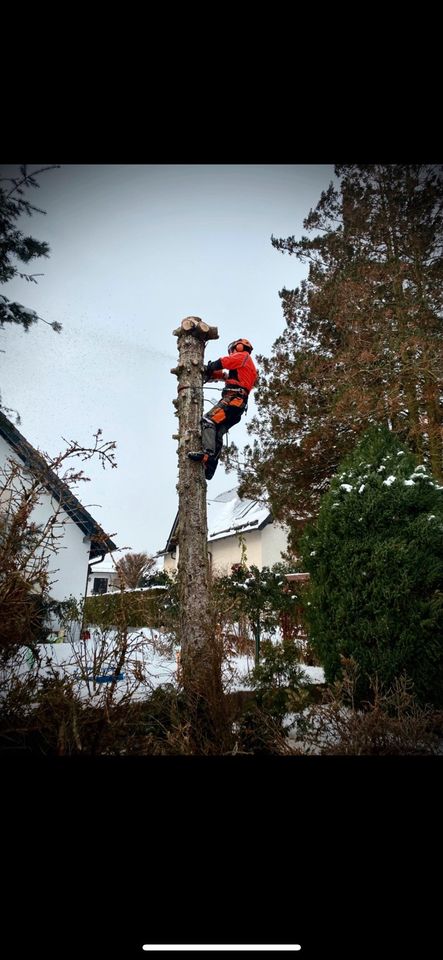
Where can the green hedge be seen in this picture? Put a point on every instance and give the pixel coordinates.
(140, 608)
(375, 556)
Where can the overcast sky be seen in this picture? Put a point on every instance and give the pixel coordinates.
(134, 250)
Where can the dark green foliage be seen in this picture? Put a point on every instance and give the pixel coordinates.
(278, 679)
(375, 556)
(140, 608)
(158, 579)
(156, 608)
(14, 245)
(260, 595)
(167, 602)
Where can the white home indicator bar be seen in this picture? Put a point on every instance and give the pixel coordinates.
(269, 947)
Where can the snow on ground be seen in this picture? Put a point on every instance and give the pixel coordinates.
(92, 663)
(325, 731)
(241, 667)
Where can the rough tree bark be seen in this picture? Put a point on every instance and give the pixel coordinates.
(200, 662)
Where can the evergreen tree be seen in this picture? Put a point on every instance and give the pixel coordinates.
(263, 596)
(375, 556)
(14, 245)
(363, 340)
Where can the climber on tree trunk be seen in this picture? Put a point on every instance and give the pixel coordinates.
(240, 378)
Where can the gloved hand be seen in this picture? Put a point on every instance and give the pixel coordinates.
(208, 370)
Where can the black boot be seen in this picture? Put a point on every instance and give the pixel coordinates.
(210, 467)
(198, 455)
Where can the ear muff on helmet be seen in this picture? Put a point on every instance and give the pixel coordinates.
(239, 345)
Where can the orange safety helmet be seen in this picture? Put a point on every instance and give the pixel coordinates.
(240, 345)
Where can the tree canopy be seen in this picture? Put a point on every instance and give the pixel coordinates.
(15, 246)
(362, 343)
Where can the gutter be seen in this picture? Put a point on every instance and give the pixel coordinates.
(90, 565)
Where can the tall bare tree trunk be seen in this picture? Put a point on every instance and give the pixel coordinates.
(201, 666)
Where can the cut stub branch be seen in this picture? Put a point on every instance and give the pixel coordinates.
(201, 674)
(198, 327)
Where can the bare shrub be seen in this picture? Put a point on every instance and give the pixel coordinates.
(391, 722)
(257, 732)
(26, 546)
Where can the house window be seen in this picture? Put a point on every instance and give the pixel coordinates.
(100, 585)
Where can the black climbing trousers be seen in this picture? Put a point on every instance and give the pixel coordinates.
(217, 422)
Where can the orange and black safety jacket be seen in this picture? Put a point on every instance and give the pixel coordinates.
(242, 371)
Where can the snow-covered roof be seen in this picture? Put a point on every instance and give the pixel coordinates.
(228, 515)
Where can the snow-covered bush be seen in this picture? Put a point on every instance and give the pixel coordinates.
(375, 556)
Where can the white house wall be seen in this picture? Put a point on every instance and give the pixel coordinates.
(170, 563)
(227, 551)
(69, 566)
(5, 455)
(263, 549)
(108, 574)
(274, 541)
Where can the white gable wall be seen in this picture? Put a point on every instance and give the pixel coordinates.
(69, 566)
(227, 550)
(274, 541)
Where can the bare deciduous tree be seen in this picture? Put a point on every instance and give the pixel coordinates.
(27, 546)
(132, 567)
